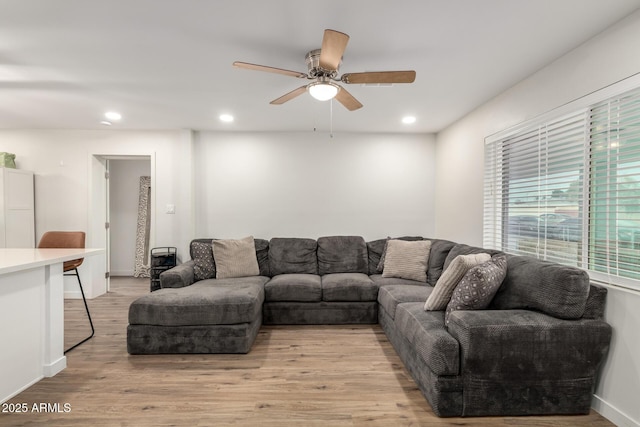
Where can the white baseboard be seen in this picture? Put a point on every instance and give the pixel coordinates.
(55, 367)
(20, 390)
(72, 295)
(121, 273)
(612, 413)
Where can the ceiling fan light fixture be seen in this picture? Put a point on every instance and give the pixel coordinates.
(323, 91)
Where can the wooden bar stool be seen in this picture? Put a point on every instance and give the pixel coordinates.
(69, 239)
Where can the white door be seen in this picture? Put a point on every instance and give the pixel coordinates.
(97, 232)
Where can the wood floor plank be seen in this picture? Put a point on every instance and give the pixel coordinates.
(293, 376)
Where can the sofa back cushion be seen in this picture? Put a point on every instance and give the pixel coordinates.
(439, 251)
(292, 255)
(342, 254)
(558, 290)
(460, 249)
(594, 308)
(201, 252)
(374, 252)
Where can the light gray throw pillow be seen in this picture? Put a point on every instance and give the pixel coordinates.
(407, 260)
(235, 258)
(441, 294)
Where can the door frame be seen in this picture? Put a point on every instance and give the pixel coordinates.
(99, 208)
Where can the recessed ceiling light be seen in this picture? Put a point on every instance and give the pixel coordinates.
(226, 118)
(408, 120)
(106, 123)
(112, 115)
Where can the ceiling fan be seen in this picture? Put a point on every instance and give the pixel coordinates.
(323, 67)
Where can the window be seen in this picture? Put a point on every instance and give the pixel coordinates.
(567, 189)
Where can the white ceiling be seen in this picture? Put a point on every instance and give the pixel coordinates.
(166, 64)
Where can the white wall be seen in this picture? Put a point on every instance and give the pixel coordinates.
(235, 184)
(61, 160)
(602, 61)
(124, 181)
(310, 185)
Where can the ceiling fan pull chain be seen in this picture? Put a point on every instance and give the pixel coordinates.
(331, 118)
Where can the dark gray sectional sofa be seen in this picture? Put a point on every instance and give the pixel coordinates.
(535, 350)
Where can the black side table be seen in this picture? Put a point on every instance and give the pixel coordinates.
(162, 259)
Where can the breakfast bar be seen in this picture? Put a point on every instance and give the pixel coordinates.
(32, 315)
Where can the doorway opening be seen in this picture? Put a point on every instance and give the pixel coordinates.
(119, 222)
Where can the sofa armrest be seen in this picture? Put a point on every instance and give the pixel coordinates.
(523, 345)
(179, 276)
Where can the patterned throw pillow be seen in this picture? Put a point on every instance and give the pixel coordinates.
(439, 298)
(235, 258)
(205, 266)
(478, 287)
(407, 260)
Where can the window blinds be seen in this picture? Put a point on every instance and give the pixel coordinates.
(614, 212)
(567, 189)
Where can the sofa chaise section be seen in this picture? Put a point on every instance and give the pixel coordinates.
(210, 316)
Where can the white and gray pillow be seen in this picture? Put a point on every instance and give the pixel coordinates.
(235, 258)
(441, 294)
(407, 259)
(478, 286)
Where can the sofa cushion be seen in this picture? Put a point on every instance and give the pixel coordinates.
(342, 254)
(439, 251)
(478, 286)
(407, 260)
(448, 281)
(348, 287)
(391, 295)
(384, 281)
(235, 258)
(204, 266)
(460, 249)
(207, 302)
(374, 252)
(426, 332)
(290, 255)
(595, 305)
(558, 290)
(262, 254)
(294, 287)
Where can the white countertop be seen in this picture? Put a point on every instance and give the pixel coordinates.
(12, 260)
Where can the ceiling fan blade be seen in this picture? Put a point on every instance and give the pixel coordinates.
(346, 99)
(289, 96)
(257, 67)
(380, 77)
(333, 45)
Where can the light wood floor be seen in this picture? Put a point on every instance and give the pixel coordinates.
(293, 376)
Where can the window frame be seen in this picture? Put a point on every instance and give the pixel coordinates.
(495, 213)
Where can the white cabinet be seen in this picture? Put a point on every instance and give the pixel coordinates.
(17, 216)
